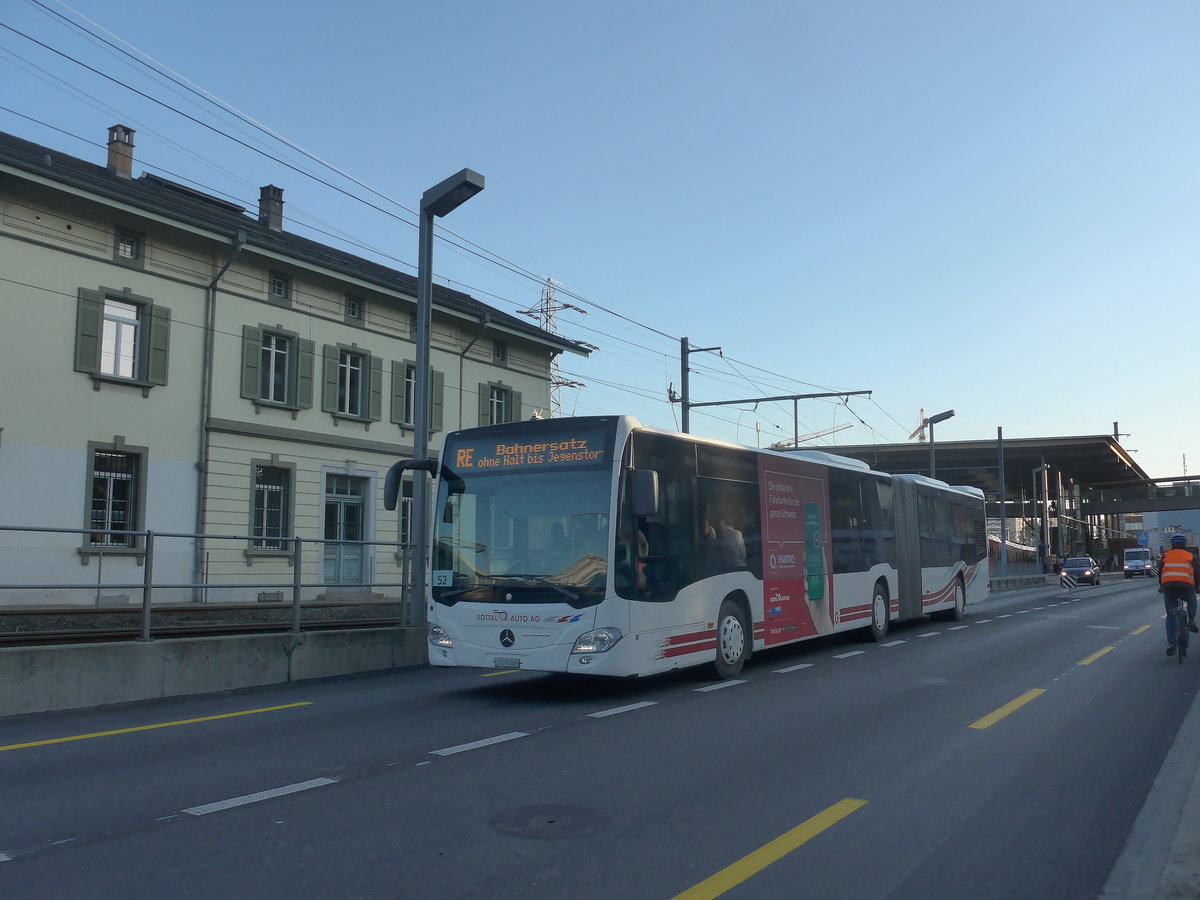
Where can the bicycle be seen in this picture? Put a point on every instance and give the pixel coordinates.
(1182, 635)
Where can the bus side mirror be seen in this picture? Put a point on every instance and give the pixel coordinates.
(644, 492)
(391, 484)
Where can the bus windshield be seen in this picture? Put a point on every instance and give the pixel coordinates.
(523, 522)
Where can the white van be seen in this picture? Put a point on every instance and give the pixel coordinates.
(1139, 561)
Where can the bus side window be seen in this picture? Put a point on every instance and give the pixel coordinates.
(845, 521)
(668, 528)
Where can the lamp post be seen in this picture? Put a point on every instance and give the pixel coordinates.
(439, 200)
(1042, 536)
(931, 421)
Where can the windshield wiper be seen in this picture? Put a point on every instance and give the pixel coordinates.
(446, 595)
(546, 581)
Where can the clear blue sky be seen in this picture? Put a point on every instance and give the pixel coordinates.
(991, 207)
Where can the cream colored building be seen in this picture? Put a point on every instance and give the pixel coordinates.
(175, 364)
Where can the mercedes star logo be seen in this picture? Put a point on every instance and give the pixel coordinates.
(507, 638)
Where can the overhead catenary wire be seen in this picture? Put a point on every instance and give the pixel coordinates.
(485, 255)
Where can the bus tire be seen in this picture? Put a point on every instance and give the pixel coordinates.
(733, 639)
(956, 613)
(880, 612)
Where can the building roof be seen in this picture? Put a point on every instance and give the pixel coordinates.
(188, 206)
(1089, 460)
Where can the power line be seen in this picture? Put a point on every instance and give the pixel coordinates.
(484, 254)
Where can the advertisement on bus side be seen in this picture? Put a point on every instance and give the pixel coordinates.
(797, 590)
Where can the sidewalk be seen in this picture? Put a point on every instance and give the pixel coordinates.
(1161, 859)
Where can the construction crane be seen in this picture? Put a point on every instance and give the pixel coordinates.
(794, 443)
(920, 429)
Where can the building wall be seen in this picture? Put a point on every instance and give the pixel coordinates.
(53, 244)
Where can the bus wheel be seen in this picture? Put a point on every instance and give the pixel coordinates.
(733, 640)
(960, 604)
(880, 612)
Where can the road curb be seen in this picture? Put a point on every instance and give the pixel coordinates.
(1161, 858)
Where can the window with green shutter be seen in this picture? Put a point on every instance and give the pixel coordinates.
(122, 338)
(498, 403)
(277, 367)
(404, 393)
(352, 383)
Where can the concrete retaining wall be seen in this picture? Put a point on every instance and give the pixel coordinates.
(1016, 582)
(39, 679)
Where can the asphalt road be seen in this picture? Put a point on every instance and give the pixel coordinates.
(1005, 756)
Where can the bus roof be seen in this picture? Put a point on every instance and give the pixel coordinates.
(816, 456)
(967, 489)
(819, 457)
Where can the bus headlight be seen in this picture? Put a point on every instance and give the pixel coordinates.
(599, 641)
(439, 638)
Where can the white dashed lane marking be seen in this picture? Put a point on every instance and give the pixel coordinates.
(719, 685)
(616, 711)
(475, 745)
(261, 795)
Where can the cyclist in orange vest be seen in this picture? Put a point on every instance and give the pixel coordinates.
(1178, 575)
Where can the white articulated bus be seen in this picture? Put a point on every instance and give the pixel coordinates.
(597, 545)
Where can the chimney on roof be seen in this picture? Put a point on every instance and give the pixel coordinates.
(120, 151)
(270, 207)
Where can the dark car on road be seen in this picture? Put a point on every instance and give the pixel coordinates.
(1083, 568)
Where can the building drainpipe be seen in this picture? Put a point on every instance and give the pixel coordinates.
(484, 321)
(204, 449)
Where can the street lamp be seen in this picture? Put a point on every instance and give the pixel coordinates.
(1043, 538)
(931, 421)
(439, 200)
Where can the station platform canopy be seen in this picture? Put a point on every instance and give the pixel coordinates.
(1091, 461)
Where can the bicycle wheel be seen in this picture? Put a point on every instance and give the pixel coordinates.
(1181, 634)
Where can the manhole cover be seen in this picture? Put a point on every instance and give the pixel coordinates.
(549, 821)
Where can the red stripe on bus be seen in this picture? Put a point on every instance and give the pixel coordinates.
(709, 634)
(670, 652)
(939, 596)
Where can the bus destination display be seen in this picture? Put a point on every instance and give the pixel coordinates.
(583, 450)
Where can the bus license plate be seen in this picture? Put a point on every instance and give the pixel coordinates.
(506, 662)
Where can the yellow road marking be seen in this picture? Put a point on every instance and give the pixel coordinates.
(1140, 630)
(753, 863)
(131, 730)
(1088, 660)
(1012, 706)
(501, 672)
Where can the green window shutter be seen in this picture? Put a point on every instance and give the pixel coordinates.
(397, 416)
(329, 391)
(89, 322)
(514, 406)
(159, 342)
(304, 374)
(251, 358)
(438, 395)
(375, 404)
(484, 407)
